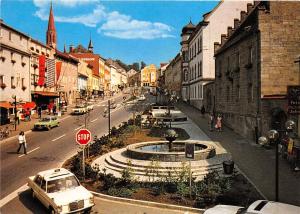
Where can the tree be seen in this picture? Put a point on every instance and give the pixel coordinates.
(143, 64)
(136, 66)
(122, 64)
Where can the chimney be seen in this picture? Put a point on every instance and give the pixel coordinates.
(236, 23)
(249, 7)
(217, 45)
(223, 39)
(243, 15)
(71, 48)
(229, 31)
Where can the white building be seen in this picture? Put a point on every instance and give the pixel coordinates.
(198, 48)
(14, 64)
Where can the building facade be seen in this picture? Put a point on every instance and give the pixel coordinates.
(199, 48)
(173, 76)
(14, 64)
(148, 76)
(255, 65)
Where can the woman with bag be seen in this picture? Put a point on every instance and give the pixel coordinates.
(22, 142)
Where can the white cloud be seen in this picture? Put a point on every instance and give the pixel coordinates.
(114, 24)
(124, 27)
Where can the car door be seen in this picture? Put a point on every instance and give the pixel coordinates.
(43, 193)
(38, 191)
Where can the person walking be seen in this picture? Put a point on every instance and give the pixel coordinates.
(54, 109)
(18, 117)
(219, 123)
(202, 110)
(211, 122)
(40, 112)
(22, 142)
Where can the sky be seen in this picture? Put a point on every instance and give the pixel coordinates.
(131, 31)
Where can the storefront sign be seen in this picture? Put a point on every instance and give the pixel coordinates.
(293, 93)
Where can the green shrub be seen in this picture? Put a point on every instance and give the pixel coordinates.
(120, 192)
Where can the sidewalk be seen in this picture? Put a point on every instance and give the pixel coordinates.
(257, 163)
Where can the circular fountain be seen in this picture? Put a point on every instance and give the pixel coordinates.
(168, 150)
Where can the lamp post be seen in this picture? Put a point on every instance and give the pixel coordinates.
(273, 137)
(15, 102)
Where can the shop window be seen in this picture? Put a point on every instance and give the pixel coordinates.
(12, 82)
(1, 79)
(9, 36)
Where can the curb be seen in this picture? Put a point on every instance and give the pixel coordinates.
(148, 203)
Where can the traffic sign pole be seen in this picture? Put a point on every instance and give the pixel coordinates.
(83, 138)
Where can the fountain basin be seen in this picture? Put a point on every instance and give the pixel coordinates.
(159, 150)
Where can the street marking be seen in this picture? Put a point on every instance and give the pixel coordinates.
(29, 152)
(59, 137)
(64, 118)
(94, 120)
(12, 195)
(78, 128)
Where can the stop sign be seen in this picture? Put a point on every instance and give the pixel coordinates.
(83, 137)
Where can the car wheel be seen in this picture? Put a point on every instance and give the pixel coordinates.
(87, 211)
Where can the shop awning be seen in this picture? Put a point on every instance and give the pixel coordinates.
(29, 105)
(5, 104)
(47, 93)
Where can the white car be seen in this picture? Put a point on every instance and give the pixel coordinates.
(142, 98)
(60, 191)
(257, 207)
(89, 106)
(79, 109)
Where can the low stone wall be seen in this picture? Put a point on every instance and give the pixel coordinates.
(134, 152)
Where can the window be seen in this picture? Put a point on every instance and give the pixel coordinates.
(1, 79)
(11, 55)
(227, 93)
(12, 82)
(250, 55)
(250, 93)
(38, 180)
(198, 45)
(238, 92)
(201, 45)
(43, 186)
(23, 82)
(21, 38)
(237, 65)
(9, 36)
(201, 72)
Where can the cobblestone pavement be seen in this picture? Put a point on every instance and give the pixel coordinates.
(257, 163)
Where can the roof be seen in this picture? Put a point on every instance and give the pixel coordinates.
(262, 206)
(12, 29)
(66, 56)
(46, 93)
(54, 173)
(188, 28)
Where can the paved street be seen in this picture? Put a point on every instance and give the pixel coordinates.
(48, 149)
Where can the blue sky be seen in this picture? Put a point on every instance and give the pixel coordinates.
(131, 31)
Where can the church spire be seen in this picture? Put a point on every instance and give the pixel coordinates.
(51, 32)
(90, 47)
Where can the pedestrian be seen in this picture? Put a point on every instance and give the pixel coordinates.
(49, 108)
(211, 122)
(40, 112)
(22, 142)
(54, 109)
(27, 114)
(202, 110)
(219, 123)
(18, 117)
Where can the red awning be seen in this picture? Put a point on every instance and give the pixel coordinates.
(47, 93)
(5, 104)
(29, 105)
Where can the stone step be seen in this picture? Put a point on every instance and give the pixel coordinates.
(117, 172)
(111, 161)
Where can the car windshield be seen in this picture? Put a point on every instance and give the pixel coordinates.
(45, 119)
(62, 184)
(241, 211)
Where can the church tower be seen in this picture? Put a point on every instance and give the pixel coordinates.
(51, 32)
(90, 47)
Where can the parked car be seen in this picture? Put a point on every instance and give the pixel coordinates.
(60, 191)
(90, 106)
(46, 123)
(257, 207)
(79, 109)
(141, 98)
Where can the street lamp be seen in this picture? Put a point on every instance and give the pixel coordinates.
(15, 98)
(273, 137)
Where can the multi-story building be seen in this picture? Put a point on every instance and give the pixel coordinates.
(102, 74)
(42, 74)
(198, 48)
(85, 78)
(173, 76)
(148, 77)
(114, 76)
(67, 77)
(106, 79)
(14, 64)
(255, 64)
